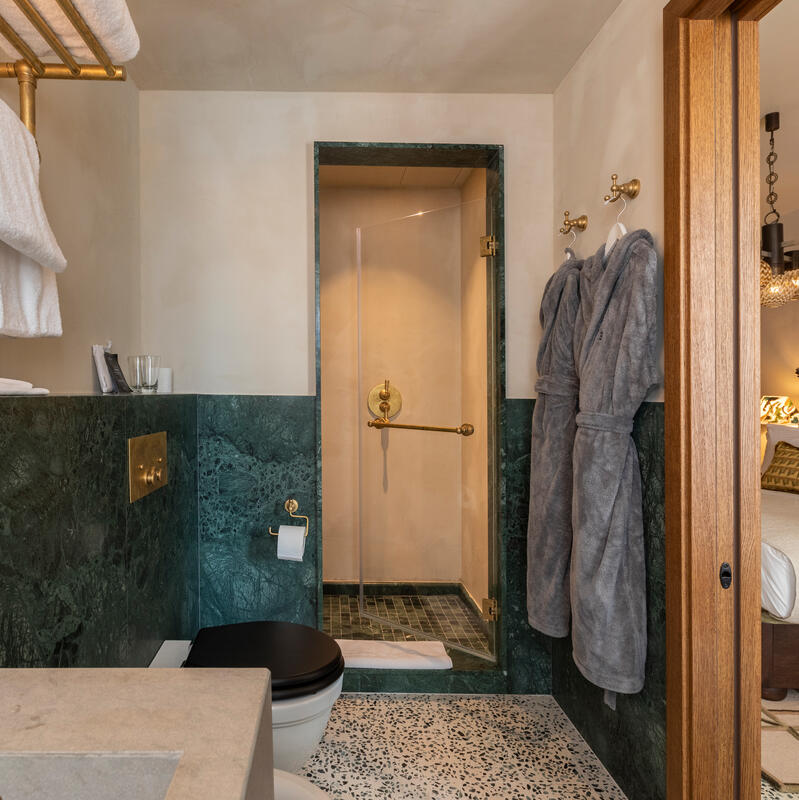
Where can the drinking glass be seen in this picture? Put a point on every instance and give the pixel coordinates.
(134, 372)
(148, 367)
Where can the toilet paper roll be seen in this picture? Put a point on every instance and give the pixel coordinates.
(291, 542)
(165, 380)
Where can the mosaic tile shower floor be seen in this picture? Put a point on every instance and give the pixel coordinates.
(475, 747)
(444, 616)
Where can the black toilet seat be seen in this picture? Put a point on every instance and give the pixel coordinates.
(302, 660)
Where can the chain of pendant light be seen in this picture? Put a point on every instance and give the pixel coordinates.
(771, 179)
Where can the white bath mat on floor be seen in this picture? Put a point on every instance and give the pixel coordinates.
(371, 654)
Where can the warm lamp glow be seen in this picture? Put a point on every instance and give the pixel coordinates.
(779, 410)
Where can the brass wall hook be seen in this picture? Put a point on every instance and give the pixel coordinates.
(581, 223)
(291, 505)
(631, 189)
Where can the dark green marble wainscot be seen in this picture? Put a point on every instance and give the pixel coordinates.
(86, 578)
(631, 741)
(254, 453)
(528, 656)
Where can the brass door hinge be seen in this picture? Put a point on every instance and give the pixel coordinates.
(488, 246)
(489, 609)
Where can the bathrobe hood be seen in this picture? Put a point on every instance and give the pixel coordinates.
(616, 366)
(549, 533)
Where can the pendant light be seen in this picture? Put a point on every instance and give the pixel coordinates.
(779, 282)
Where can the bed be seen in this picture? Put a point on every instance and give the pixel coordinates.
(779, 571)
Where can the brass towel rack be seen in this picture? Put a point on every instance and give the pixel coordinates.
(29, 69)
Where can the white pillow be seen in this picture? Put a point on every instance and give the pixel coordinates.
(778, 433)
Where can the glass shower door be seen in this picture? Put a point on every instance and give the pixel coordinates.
(426, 551)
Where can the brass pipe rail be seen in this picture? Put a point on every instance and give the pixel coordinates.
(463, 430)
(30, 68)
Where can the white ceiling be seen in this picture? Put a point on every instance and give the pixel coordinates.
(362, 45)
(779, 91)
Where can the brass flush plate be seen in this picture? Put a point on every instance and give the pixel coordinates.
(147, 468)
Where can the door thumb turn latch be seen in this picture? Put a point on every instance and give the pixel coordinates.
(725, 575)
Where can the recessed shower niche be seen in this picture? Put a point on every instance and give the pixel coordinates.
(409, 263)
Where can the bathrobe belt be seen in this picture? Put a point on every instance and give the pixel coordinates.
(562, 386)
(605, 422)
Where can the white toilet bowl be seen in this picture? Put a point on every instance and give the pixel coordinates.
(299, 723)
(293, 787)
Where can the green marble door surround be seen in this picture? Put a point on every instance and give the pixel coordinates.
(531, 672)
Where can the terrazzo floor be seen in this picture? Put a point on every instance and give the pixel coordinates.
(470, 747)
(767, 790)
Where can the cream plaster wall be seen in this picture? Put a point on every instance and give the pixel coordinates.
(227, 222)
(608, 115)
(474, 381)
(88, 135)
(410, 333)
(779, 354)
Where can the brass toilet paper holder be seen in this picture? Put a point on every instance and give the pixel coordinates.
(291, 505)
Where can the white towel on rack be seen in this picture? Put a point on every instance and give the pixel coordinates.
(28, 297)
(23, 223)
(109, 21)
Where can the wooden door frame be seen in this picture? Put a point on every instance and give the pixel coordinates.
(712, 340)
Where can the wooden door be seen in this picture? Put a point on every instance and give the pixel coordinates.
(711, 86)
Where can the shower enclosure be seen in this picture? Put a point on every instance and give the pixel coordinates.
(421, 454)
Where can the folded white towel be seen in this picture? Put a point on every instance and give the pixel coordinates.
(109, 20)
(377, 654)
(28, 297)
(23, 392)
(23, 223)
(10, 383)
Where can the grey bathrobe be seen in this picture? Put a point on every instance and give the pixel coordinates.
(549, 534)
(616, 367)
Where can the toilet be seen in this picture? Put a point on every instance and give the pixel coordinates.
(307, 670)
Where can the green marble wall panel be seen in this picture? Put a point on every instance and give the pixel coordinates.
(631, 741)
(162, 543)
(254, 453)
(528, 657)
(425, 680)
(86, 579)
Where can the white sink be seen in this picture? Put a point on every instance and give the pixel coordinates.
(88, 776)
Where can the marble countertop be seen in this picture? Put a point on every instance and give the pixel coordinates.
(219, 719)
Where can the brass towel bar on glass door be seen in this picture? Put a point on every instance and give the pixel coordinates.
(464, 430)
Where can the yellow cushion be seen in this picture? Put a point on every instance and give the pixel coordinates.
(782, 474)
